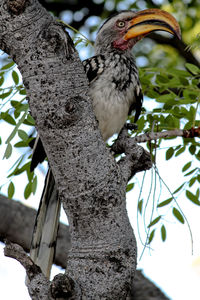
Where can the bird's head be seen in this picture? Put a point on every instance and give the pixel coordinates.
(123, 30)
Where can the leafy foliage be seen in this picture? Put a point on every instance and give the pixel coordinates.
(15, 112)
(175, 96)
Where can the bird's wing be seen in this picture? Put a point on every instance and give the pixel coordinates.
(137, 104)
(94, 66)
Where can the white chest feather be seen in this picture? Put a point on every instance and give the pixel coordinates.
(111, 106)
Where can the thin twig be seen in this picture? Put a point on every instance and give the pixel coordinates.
(191, 133)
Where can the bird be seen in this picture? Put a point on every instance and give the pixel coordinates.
(116, 92)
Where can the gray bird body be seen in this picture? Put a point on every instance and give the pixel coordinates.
(113, 76)
(114, 89)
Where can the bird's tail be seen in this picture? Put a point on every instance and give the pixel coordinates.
(46, 226)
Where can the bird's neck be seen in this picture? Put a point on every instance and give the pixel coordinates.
(110, 51)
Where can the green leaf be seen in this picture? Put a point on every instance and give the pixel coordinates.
(178, 215)
(14, 103)
(5, 95)
(162, 79)
(140, 205)
(16, 165)
(8, 118)
(22, 107)
(129, 187)
(197, 193)
(15, 77)
(192, 181)
(198, 178)
(192, 69)
(155, 221)
(1, 80)
(8, 151)
(163, 233)
(8, 66)
(22, 92)
(28, 190)
(141, 123)
(34, 185)
(169, 153)
(17, 172)
(28, 172)
(166, 98)
(11, 190)
(23, 135)
(29, 121)
(186, 166)
(166, 202)
(191, 172)
(16, 128)
(151, 236)
(197, 155)
(26, 167)
(181, 150)
(179, 188)
(21, 144)
(179, 73)
(16, 114)
(192, 149)
(192, 197)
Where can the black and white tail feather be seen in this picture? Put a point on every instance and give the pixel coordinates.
(46, 226)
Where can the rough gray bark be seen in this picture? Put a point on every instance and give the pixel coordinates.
(91, 184)
(16, 225)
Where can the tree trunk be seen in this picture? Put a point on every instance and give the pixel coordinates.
(92, 185)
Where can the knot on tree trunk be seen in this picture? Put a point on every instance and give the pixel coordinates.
(17, 6)
(62, 286)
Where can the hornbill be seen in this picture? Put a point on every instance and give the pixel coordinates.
(115, 90)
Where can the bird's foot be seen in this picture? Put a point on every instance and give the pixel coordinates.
(131, 126)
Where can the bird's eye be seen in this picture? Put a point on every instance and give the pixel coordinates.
(120, 24)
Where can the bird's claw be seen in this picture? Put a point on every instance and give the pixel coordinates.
(131, 126)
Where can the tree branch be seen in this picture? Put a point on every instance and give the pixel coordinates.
(38, 284)
(136, 159)
(149, 136)
(17, 252)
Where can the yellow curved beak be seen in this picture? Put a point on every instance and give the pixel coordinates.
(149, 20)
